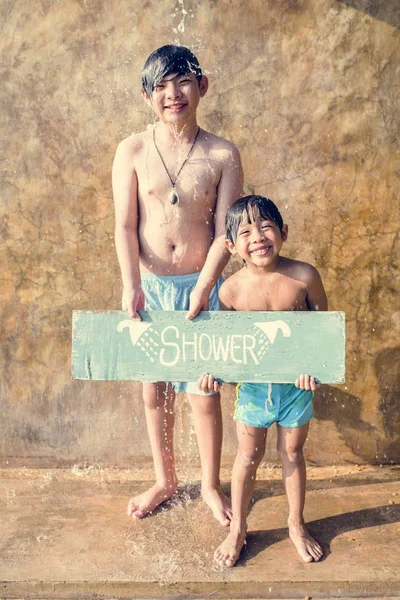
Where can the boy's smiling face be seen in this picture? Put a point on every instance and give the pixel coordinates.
(176, 97)
(259, 240)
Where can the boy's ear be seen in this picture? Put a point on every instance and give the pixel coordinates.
(203, 85)
(230, 246)
(146, 97)
(285, 233)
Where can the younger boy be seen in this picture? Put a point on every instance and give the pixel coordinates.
(268, 281)
(173, 185)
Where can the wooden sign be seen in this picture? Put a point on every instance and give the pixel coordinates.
(233, 346)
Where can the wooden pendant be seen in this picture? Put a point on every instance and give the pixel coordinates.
(174, 198)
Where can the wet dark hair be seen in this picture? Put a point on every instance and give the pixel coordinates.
(264, 206)
(167, 60)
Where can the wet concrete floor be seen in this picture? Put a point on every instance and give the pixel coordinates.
(65, 534)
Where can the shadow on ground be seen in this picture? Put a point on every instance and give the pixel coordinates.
(324, 530)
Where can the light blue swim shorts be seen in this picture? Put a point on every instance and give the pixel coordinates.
(262, 404)
(171, 292)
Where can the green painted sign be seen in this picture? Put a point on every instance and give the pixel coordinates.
(233, 346)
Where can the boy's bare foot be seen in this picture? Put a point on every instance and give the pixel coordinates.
(229, 551)
(306, 546)
(144, 504)
(219, 503)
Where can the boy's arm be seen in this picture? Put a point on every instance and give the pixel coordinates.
(230, 188)
(225, 296)
(316, 297)
(316, 300)
(124, 182)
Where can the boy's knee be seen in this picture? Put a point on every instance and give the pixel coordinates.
(153, 403)
(294, 457)
(249, 459)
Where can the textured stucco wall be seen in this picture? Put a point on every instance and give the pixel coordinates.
(307, 89)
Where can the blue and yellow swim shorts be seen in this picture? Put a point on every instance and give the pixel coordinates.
(262, 404)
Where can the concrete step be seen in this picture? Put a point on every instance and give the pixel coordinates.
(65, 534)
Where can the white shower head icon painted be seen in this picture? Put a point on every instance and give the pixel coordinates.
(136, 329)
(142, 336)
(271, 329)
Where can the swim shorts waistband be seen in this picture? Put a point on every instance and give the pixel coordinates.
(178, 280)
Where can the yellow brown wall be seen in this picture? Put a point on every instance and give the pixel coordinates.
(307, 89)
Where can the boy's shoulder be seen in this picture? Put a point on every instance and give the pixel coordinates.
(299, 269)
(134, 143)
(218, 147)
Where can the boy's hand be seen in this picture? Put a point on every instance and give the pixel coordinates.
(197, 301)
(132, 301)
(306, 382)
(207, 383)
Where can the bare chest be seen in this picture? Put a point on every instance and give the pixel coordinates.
(194, 180)
(282, 293)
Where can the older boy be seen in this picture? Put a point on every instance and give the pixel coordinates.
(173, 185)
(268, 281)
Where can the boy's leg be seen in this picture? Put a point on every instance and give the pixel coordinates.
(207, 418)
(290, 447)
(159, 409)
(251, 448)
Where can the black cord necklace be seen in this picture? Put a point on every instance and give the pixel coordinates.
(174, 198)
